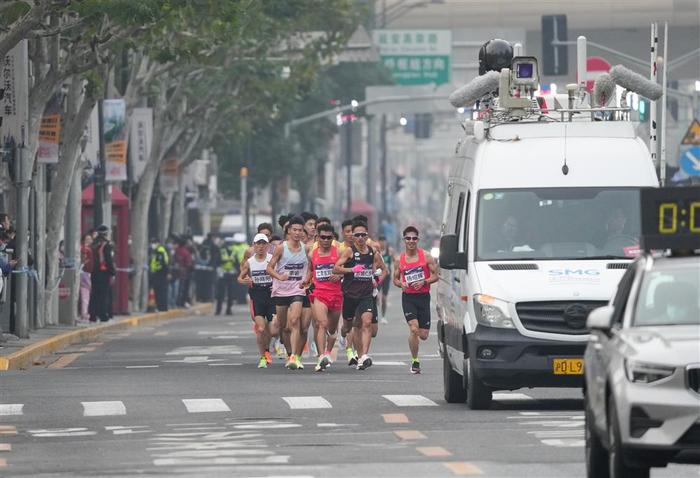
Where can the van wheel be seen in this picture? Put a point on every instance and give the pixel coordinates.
(596, 455)
(618, 468)
(478, 395)
(454, 390)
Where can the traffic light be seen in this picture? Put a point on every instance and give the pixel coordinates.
(423, 127)
(398, 182)
(643, 110)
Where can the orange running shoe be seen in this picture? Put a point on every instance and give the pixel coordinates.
(268, 357)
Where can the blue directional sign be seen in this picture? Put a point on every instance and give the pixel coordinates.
(690, 161)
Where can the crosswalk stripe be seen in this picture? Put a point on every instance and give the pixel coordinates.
(410, 435)
(204, 405)
(462, 468)
(5, 447)
(433, 451)
(511, 396)
(11, 409)
(395, 418)
(307, 402)
(410, 400)
(103, 409)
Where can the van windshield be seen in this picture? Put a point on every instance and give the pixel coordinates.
(558, 223)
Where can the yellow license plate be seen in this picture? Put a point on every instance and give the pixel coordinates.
(563, 366)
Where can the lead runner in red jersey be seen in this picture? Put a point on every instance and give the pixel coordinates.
(327, 299)
(415, 273)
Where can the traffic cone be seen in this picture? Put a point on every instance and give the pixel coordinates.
(151, 300)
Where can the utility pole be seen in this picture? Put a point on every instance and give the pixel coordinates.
(244, 202)
(204, 200)
(382, 167)
(98, 200)
(348, 165)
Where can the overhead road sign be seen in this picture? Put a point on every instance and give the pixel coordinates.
(416, 57)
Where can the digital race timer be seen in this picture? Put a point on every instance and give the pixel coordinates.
(671, 218)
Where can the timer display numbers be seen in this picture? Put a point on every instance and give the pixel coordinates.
(671, 218)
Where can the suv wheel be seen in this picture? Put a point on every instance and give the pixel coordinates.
(478, 395)
(454, 390)
(617, 466)
(596, 455)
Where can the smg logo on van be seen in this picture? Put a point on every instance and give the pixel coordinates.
(577, 275)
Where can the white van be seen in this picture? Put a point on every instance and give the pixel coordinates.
(541, 220)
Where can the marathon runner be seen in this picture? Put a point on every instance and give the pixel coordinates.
(388, 257)
(288, 267)
(358, 264)
(327, 297)
(346, 332)
(254, 275)
(307, 313)
(263, 228)
(416, 271)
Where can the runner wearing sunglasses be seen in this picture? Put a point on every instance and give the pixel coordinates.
(358, 263)
(416, 272)
(327, 299)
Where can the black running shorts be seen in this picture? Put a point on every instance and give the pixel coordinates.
(417, 307)
(287, 301)
(261, 303)
(356, 307)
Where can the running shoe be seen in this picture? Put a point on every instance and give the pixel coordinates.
(365, 362)
(300, 365)
(293, 364)
(268, 357)
(342, 342)
(288, 362)
(383, 320)
(415, 366)
(324, 362)
(262, 363)
(352, 357)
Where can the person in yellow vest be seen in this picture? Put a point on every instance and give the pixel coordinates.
(158, 267)
(227, 274)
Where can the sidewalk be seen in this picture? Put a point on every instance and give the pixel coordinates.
(20, 354)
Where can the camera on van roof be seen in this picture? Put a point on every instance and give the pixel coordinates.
(524, 72)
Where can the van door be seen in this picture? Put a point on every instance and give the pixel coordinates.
(458, 278)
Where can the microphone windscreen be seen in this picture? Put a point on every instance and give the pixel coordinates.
(480, 86)
(603, 89)
(635, 82)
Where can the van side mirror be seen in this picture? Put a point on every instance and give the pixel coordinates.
(449, 257)
(600, 319)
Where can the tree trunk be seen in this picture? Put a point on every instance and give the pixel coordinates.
(166, 208)
(178, 222)
(79, 110)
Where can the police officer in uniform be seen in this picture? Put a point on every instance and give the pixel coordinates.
(158, 267)
(228, 273)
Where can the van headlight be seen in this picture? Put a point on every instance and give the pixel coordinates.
(492, 312)
(639, 372)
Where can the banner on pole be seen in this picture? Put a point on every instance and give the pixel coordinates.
(168, 175)
(114, 138)
(50, 131)
(14, 101)
(140, 139)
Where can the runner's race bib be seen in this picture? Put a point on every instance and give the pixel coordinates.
(365, 274)
(324, 272)
(414, 274)
(261, 278)
(295, 271)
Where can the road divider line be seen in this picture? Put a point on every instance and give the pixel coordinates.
(65, 360)
(463, 468)
(395, 418)
(511, 396)
(142, 366)
(11, 409)
(205, 405)
(103, 409)
(410, 400)
(409, 435)
(433, 451)
(296, 403)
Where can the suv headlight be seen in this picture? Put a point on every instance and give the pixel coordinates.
(639, 372)
(492, 312)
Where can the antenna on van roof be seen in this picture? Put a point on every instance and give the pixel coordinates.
(565, 167)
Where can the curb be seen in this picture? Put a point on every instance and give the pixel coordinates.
(24, 358)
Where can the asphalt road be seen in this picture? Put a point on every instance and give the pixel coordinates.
(184, 398)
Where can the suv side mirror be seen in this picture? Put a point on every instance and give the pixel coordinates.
(449, 257)
(600, 319)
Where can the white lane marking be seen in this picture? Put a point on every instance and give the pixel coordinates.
(307, 402)
(103, 409)
(142, 366)
(268, 460)
(335, 425)
(204, 405)
(207, 350)
(224, 364)
(410, 400)
(216, 332)
(61, 432)
(194, 359)
(11, 409)
(226, 337)
(511, 396)
(128, 430)
(389, 363)
(564, 442)
(263, 425)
